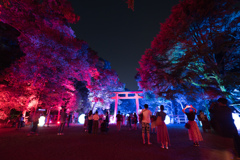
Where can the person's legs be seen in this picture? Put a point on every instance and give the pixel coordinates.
(59, 128)
(118, 125)
(90, 122)
(162, 145)
(93, 127)
(148, 132)
(143, 132)
(204, 126)
(143, 137)
(148, 136)
(166, 145)
(63, 124)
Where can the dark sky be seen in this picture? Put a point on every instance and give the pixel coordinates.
(119, 34)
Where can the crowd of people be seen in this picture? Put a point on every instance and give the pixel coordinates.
(221, 122)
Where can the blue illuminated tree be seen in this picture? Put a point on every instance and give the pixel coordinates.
(197, 48)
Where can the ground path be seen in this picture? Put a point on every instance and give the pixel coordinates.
(124, 145)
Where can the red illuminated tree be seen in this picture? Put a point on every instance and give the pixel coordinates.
(55, 58)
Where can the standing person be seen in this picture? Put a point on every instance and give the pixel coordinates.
(95, 122)
(20, 121)
(193, 132)
(153, 124)
(62, 121)
(129, 123)
(223, 118)
(90, 121)
(119, 120)
(123, 119)
(135, 120)
(107, 120)
(162, 132)
(85, 126)
(204, 120)
(35, 118)
(69, 119)
(145, 123)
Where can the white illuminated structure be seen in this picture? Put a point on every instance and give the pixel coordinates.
(167, 120)
(81, 118)
(41, 121)
(236, 120)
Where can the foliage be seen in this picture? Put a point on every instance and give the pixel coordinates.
(54, 58)
(196, 50)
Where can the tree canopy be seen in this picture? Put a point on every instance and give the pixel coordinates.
(54, 58)
(196, 50)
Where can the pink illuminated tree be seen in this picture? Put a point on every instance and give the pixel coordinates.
(54, 57)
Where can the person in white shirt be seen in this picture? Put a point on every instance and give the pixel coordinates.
(145, 123)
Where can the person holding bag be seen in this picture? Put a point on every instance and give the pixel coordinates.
(193, 131)
(162, 132)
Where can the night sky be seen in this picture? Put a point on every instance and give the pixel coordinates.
(119, 34)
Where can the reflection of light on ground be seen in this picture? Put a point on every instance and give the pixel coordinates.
(81, 118)
(236, 120)
(41, 121)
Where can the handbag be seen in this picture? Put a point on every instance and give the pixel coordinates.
(187, 125)
(141, 116)
(159, 121)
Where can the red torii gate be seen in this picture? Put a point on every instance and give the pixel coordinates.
(126, 96)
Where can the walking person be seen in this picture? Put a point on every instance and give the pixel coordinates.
(85, 125)
(69, 119)
(107, 120)
(95, 123)
(20, 121)
(119, 120)
(153, 124)
(225, 124)
(204, 120)
(62, 122)
(162, 132)
(193, 132)
(146, 113)
(90, 121)
(135, 121)
(129, 121)
(35, 118)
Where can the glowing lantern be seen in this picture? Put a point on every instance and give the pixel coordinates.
(41, 121)
(81, 118)
(167, 119)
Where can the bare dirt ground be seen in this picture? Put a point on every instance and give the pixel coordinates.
(76, 144)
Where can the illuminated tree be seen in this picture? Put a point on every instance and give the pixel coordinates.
(55, 58)
(103, 83)
(197, 47)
